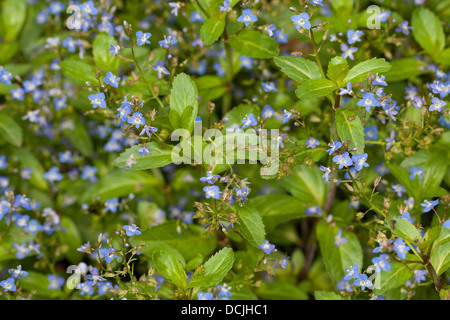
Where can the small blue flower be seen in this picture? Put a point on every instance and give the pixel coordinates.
(247, 17)
(246, 62)
(428, 205)
(437, 105)
(371, 133)
(379, 81)
(17, 94)
(167, 42)
(225, 7)
(210, 178)
(401, 248)
(368, 101)
(348, 90)
(446, 224)
(312, 143)
(267, 247)
(142, 38)
(111, 205)
(70, 44)
(196, 16)
(136, 119)
(86, 288)
(352, 273)
(53, 175)
(248, 121)
(267, 112)
(406, 216)
(269, 87)
(363, 282)
(420, 275)
(143, 151)
(347, 52)
(339, 240)
(212, 192)
(112, 80)
(381, 263)
(18, 272)
(416, 172)
(287, 116)
(131, 230)
(301, 21)
(114, 50)
(55, 282)
(205, 296)
(5, 76)
(8, 285)
(33, 227)
(354, 36)
(343, 160)
(284, 262)
(108, 254)
(317, 210)
(390, 141)
(316, 2)
(360, 161)
(159, 67)
(334, 146)
(98, 100)
(404, 27)
(326, 173)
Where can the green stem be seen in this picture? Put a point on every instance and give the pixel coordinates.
(229, 75)
(316, 53)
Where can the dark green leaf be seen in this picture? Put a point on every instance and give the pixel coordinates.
(350, 127)
(170, 267)
(315, 88)
(428, 31)
(250, 225)
(211, 30)
(104, 59)
(359, 72)
(255, 44)
(10, 130)
(298, 68)
(158, 157)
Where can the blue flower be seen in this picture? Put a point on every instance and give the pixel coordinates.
(86, 288)
(98, 100)
(247, 17)
(18, 272)
(53, 175)
(85, 248)
(371, 133)
(301, 21)
(360, 161)
(112, 80)
(267, 247)
(131, 230)
(60, 103)
(248, 121)
(269, 87)
(317, 210)
(212, 192)
(225, 7)
(334, 146)
(5, 76)
(287, 116)
(108, 254)
(363, 282)
(196, 16)
(224, 291)
(326, 173)
(312, 143)
(390, 141)
(167, 42)
(136, 119)
(148, 130)
(418, 102)
(246, 62)
(416, 172)
(104, 287)
(368, 101)
(284, 262)
(401, 248)
(267, 112)
(339, 240)
(404, 27)
(159, 67)
(175, 6)
(354, 36)
(381, 263)
(70, 44)
(428, 205)
(143, 151)
(210, 178)
(111, 205)
(17, 94)
(142, 38)
(114, 50)
(33, 227)
(420, 275)
(316, 2)
(446, 224)
(406, 216)
(343, 160)
(205, 296)
(8, 285)
(379, 81)
(55, 282)
(352, 273)
(89, 173)
(437, 104)
(347, 52)
(348, 90)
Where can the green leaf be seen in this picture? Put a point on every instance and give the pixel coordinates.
(440, 258)
(13, 14)
(298, 68)
(443, 57)
(216, 268)
(118, 184)
(255, 44)
(306, 184)
(337, 259)
(337, 70)
(442, 238)
(327, 295)
(29, 160)
(315, 88)
(392, 279)
(277, 208)
(158, 157)
(250, 225)
(211, 30)
(428, 31)
(80, 138)
(238, 113)
(10, 130)
(280, 290)
(210, 87)
(189, 242)
(359, 72)
(405, 230)
(403, 69)
(183, 95)
(350, 127)
(170, 267)
(78, 70)
(69, 240)
(104, 59)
